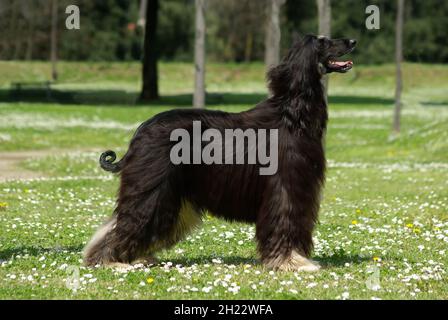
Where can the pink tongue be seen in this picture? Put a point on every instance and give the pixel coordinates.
(342, 63)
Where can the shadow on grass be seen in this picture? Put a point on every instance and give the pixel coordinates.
(435, 104)
(122, 97)
(7, 254)
(236, 260)
(339, 260)
(363, 100)
(326, 262)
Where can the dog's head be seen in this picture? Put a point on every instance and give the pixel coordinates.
(309, 58)
(329, 50)
(322, 53)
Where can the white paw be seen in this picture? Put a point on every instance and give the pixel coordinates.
(309, 268)
(146, 261)
(122, 267)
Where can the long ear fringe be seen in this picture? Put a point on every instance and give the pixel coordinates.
(279, 78)
(297, 69)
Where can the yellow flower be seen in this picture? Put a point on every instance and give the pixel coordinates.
(417, 230)
(409, 225)
(358, 210)
(3, 205)
(354, 222)
(150, 280)
(376, 259)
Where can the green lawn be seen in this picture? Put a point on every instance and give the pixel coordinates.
(384, 217)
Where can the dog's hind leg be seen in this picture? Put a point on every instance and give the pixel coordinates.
(175, 224)
(139, 221)
(187, 218)
(141, 226)
(95, 244)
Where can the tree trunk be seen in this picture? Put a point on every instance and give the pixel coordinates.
(13, 31)
(398, 60)
(142, 13)
(30, 35)
(150, 88)
(273, 34)
(249, 46)
(54, 39)
(324, 13)
(199, 56)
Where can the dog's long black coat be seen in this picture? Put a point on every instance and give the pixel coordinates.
(284, 206)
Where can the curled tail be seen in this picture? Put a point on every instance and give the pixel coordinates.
(106, 162)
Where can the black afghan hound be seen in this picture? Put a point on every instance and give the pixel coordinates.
(159, 202)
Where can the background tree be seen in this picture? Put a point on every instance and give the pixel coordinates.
(54, 39)
(29, 10)
(150, 88)
(324, 21)
(235, 30)
(14, 28)
(398, 60)
(141, 22)
(199, 55)
(273, 34)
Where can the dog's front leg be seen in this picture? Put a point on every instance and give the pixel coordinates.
(284, 233)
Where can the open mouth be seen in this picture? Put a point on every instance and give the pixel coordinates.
(339, 66)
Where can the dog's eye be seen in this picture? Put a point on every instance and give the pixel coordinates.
(321, 40)
(324, 43)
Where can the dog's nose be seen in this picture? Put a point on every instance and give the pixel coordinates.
(352, 42)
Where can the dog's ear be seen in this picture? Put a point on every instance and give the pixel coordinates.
(305, 66)
(279, 78)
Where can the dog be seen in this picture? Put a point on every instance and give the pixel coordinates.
(159, 202)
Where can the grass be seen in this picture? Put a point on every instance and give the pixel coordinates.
(384, 217)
